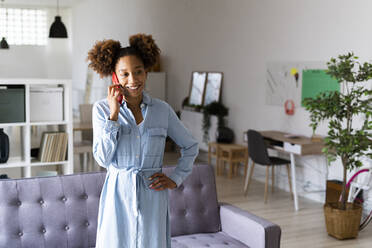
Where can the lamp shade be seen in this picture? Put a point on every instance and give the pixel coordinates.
(58, 29)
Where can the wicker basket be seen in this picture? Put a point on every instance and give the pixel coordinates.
(342, 224)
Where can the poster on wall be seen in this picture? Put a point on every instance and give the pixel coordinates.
(284, 81)
(315, 82)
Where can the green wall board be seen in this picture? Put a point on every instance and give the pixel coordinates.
(315, 82)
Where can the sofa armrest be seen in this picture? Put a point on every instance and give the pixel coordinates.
(248, 228)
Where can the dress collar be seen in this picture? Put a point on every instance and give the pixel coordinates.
(146, 99)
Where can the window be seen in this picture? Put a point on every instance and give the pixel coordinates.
(23, 26)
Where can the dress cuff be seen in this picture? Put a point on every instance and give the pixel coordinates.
(175, 178)
(111, 125)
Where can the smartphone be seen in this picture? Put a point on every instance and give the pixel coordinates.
(115, 80)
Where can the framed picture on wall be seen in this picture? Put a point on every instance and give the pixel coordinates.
(213, 87)
(197, 88)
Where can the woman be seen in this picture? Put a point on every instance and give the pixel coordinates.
(128, 140)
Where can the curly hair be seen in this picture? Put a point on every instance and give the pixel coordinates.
(105, 54)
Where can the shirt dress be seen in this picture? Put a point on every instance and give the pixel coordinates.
(130, 214)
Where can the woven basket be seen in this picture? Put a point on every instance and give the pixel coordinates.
(342, 224)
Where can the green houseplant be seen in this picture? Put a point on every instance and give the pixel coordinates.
(213, 108)
(345, 139)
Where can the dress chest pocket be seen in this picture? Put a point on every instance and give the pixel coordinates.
(155, 141)
(124, 141)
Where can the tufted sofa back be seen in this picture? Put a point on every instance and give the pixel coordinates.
(58, 211)
(61, 211)
(193, 205)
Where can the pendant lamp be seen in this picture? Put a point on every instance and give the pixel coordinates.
(58, 29)
(3, 42)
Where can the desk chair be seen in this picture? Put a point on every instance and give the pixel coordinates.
(258, 153)
(85, 146)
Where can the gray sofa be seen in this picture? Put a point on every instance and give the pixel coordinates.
(61, 211)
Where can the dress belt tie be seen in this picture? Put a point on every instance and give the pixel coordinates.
(139, 175)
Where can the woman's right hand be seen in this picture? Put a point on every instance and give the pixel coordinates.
(113, 91)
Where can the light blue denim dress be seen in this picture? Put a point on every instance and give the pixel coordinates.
(131, 215)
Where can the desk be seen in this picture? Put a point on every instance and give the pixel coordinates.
(84, 147)
(300, 145)
(81, 126)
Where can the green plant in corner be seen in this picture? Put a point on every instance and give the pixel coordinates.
(345, 139)
(213, 108)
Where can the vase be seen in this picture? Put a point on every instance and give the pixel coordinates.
(4, 146)
(224, 135)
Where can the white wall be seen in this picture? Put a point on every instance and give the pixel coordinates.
(236, 37)
(50, 61)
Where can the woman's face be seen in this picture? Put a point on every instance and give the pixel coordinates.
(132, 75)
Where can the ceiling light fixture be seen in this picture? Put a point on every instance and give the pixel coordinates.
(58, 29)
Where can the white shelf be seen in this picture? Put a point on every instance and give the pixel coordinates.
(23, 124)
(27, 162)
(35, 162)
(14, 162)
(48, 123)
(15, 124)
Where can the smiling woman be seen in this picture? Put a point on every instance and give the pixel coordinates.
(129, 135)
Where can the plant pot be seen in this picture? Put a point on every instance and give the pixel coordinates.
(342, 224)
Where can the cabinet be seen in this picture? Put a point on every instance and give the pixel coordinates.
(22, 134)
(194, 122)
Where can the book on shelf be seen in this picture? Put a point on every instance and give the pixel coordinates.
(53, 147)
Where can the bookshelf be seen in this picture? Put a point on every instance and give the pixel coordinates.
(20, 153)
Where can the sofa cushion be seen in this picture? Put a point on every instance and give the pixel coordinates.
(193, 205)
(214, 240)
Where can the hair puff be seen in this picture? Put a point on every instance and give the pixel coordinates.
(103, 57)
(147, 48)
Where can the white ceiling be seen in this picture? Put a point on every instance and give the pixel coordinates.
(41, 3)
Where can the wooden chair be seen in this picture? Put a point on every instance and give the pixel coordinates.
(85, 146)
(258, 153)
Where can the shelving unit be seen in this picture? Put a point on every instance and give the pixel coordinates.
(25, 161)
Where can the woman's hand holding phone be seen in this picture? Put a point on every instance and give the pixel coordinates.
(113, 92)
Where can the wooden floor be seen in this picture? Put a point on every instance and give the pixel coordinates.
(302, 229)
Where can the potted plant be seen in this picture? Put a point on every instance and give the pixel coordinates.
(213, 108)
(345, 139)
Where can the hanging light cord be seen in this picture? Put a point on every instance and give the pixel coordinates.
(57, 7)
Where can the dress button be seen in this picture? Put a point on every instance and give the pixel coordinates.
(87, 223)
(43, 230)
(19, 203)
(137, 136)
(85, 196)
(41, 202)
(66, 228)
(137, 156)
(64, 199)
(20, 234)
